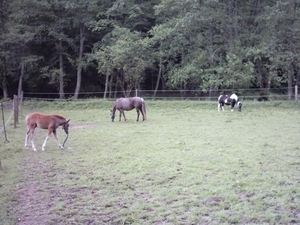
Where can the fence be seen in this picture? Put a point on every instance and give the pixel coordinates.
(244, 94)
(9, 111)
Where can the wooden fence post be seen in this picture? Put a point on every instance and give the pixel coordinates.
(16, 111)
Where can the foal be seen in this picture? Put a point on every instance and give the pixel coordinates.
(45, 121)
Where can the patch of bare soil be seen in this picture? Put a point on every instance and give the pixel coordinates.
(35, 195)
(33, 203)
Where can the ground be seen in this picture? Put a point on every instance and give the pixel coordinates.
(32, 203)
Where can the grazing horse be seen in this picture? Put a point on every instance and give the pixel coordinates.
(45, 121)
(128, 104)
(226, 100)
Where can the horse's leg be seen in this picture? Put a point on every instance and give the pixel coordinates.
(56, 137)
(143, 114)
(232, 106)
(30, 136)
(143, 110)
(122, 113)
(50, 130)
(120, 116)
(219, 106)
(138, 114)
(26, 138)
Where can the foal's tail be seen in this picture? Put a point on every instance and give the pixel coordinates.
(144, 108)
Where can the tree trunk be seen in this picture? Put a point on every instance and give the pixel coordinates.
(211, 54)
(262, 87)
(292, 49)
(110, 84)
(79, 66)
(4, 85)
(61, 73)
(159, 77)
(21, 79)
(106, 85)
(290, 84)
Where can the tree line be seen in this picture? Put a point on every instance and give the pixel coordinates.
(73, 46)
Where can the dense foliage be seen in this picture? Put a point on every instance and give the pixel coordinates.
(71, 46)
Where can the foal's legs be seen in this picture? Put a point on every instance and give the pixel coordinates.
(29, 136)
(56, 137)
(26, 139)
(47, 137)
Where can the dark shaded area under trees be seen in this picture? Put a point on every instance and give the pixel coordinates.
(68, 47)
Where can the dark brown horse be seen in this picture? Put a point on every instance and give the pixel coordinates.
(45, 121)
(128, 104)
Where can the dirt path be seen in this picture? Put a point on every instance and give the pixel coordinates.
(34, 197)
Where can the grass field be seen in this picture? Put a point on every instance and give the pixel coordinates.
(186, 164)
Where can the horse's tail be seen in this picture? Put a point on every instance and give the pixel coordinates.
(143, 108)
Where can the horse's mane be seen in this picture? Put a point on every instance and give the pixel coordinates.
(114, 108)
(59, 116)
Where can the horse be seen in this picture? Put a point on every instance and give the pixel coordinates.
(45, 121)
(128, 104)
(226, 100)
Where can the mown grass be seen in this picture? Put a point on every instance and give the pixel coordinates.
(186, 164)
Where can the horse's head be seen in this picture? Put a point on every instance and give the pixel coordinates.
(239, 106)
(112, 115)
(65, 126)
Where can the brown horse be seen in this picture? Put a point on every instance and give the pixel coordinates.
(45, 121)
(128, 104)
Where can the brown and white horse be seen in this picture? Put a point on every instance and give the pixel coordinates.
(45, 121)
(128, 104)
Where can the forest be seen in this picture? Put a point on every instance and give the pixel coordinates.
(70, 47)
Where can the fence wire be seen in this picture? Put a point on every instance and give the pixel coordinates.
(280, 93)
(6, 109)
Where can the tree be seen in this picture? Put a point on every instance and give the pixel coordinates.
(124, 51)
(83, 14)
(3, 75)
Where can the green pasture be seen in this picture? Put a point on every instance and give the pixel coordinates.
(186, 164)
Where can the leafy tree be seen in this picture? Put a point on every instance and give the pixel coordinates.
(121, 55)
(82, 13)
(190, 44)
(125, 51)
